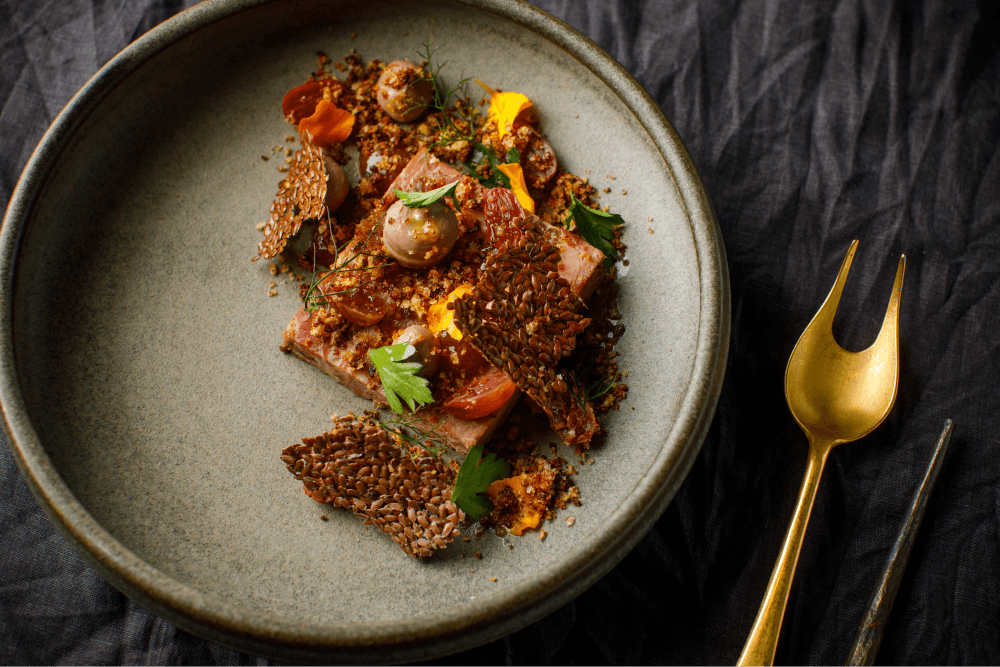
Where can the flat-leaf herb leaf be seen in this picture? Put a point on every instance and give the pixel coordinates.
(421, 199)
(399, 377)
(596, 227)
(477, 473)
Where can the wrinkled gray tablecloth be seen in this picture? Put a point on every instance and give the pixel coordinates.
(812, 123)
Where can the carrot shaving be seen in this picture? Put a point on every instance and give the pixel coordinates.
(439, 318)
(516, 175)
(328, 125)
(527, 517)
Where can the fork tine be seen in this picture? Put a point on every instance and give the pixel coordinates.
(890, 325)
(829, 308)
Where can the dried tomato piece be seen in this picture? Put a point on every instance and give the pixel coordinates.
(328, 124)
(301, 102)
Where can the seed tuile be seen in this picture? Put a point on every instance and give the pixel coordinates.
(359, 466)
(524, 326)
(301, 196)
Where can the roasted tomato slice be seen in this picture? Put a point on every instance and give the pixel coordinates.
(301, 102)
(483, 396)
(364, 307)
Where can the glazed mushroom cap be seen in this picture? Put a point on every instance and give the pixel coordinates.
(419, 238)
(336, 184)
(403, 91)
(421, 338)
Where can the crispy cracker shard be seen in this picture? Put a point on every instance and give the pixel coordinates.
(300, 197)
(358, 465)
(523, 318)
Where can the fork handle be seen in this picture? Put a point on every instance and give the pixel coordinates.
(763, 639)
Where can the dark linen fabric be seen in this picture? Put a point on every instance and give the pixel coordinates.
(812, 123)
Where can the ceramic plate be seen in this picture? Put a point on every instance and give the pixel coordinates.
(144, 390)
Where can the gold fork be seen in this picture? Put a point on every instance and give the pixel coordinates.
(835, 396)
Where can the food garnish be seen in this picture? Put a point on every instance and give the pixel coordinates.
(515, 175)
(596, 227)
(301, 196)
(459, 124)
(497, 177)
(406, 429)
(399, 377)
(317, 295)
(329, 124)
(481, 397)
(504, 108)
(441, 318)
(358, 465)
(595, 390)
(474, 477)
(300, 102)
(420, 199)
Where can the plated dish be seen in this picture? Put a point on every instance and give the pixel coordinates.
(147, 422)
(447, 266)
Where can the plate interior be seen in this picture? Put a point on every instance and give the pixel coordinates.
(147, 345)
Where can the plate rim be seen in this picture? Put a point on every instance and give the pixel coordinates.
(423, 636)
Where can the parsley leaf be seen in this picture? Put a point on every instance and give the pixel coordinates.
(473, 478)
(421, 199)
(400, 378)
(596, 227)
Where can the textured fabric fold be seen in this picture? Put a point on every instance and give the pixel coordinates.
(811, 124)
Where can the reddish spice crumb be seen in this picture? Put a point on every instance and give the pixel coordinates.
(479, 555)
(322, 517)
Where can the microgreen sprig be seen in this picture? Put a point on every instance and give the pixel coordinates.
(452, 116)
(316, 296)
(408, 432)
(421, 199)
(594, 391)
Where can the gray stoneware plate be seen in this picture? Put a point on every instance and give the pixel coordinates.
(142, 384)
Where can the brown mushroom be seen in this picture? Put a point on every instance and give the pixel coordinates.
(404, 91)
(336, 184)
(419, 238)
(421, 338)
